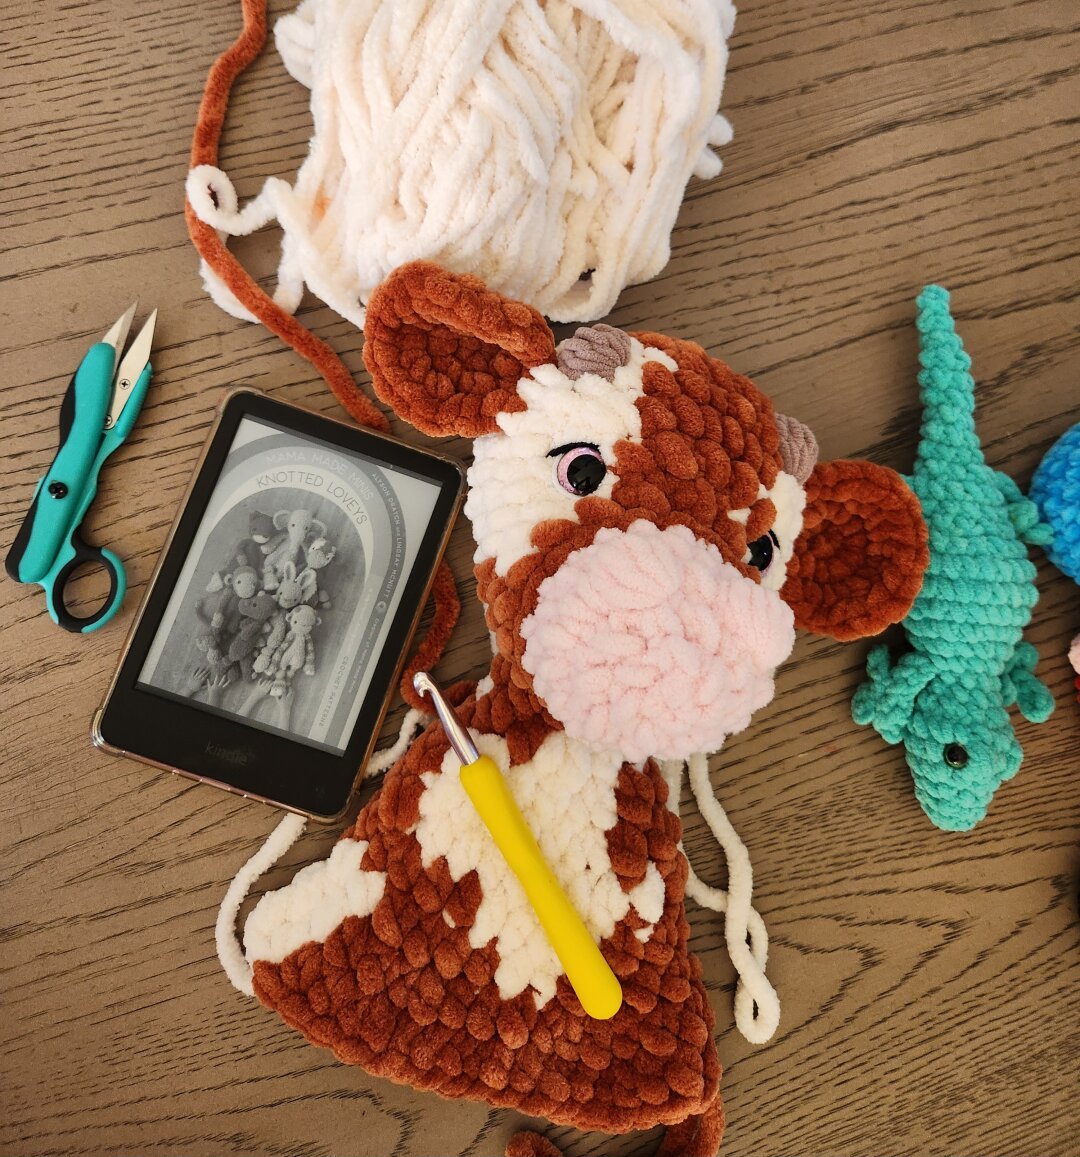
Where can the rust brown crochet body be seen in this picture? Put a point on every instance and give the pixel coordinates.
(403, 994)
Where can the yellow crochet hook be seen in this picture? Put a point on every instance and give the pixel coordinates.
(590, 975)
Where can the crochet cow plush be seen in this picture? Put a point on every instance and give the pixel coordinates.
(649, 533)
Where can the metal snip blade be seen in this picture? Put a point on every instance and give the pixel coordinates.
(118, 334)
(130, 369)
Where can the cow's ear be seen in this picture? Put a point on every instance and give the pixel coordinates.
(446, 352)
(860, 558)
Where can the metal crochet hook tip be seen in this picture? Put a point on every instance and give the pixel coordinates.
(460, 739)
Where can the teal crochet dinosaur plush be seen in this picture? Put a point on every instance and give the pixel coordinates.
(947, 698)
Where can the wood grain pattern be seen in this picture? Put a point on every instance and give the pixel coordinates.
(930, 983)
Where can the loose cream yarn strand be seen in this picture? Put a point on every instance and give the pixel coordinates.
(527, 144)
(757, 1007)
(229, 948)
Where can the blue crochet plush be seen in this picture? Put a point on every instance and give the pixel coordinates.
(1055, 490)
(947, 698)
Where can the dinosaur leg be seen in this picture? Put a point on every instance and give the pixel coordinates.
(887, 698)
(1020, 685)
(1023, 513)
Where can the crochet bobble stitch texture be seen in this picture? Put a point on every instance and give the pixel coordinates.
(946, 700)
(1055, 489)
(461, 133)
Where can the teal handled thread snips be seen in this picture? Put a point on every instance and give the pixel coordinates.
(98, 411)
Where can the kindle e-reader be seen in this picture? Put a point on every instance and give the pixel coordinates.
(269, 644)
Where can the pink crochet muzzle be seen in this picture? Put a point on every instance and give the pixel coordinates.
(646, 642)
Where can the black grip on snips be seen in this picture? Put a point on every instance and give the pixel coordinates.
(85, 554)
(18, 547)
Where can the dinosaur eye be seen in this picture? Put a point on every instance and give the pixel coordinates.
(759, 554)
(580, 468)
(956, 755)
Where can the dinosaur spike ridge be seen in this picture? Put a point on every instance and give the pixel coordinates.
(947, 387)
(941, 352)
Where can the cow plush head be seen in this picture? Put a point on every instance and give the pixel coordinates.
(649, 531)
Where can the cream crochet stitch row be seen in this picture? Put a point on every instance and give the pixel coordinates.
(528, 144)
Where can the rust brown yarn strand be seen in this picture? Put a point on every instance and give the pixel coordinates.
(205, 144)
(213, 250)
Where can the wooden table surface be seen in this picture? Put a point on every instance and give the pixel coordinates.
(930, 982)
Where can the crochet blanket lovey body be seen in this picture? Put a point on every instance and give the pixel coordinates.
(649, 533)
(947, 698)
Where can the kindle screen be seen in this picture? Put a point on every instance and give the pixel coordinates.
(285, 598)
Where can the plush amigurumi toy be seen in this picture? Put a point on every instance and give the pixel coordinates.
(295, 587)
(296, 652)
(256, 614)
(947, 699)
(231, 588)
(296, 529)
(649, 533)
(1055, 490)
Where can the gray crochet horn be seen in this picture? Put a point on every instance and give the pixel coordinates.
(798, 447)
(594, 349)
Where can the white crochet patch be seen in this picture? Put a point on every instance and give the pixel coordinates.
(789, 498)
(566, 793)
(314, 904)
(512, 482)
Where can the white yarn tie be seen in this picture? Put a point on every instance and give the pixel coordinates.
(229, 949)
(381, 760)
(466, 133)
(757, 1007)
(291, 827)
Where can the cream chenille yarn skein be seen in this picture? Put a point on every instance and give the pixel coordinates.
(528, 144)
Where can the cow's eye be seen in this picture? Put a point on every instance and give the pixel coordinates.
(759, 554)
(580, 468)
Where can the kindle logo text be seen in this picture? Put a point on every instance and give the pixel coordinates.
(236, 755)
